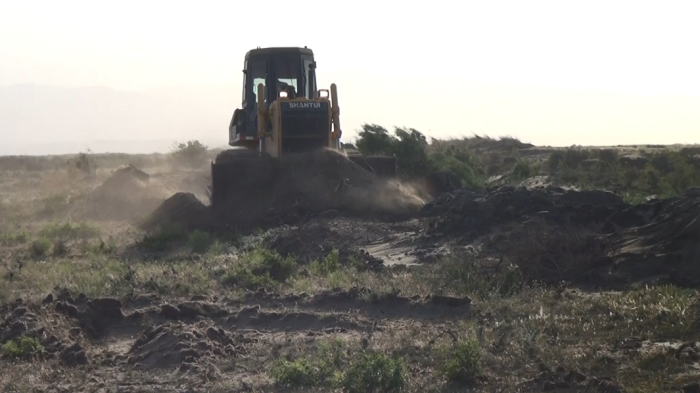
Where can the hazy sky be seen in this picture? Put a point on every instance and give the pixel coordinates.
(550, 72)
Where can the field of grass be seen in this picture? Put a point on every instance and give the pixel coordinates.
(221, 312)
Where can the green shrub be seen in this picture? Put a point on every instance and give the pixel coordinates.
(522, 170)
(161, 238)
(60, 248)
(261, 268)
(54, 204)
(302, 373)
(22, 347)
(328, 264)
(460, 172)
(101, 247)
(608, 156)
(321, 368)
(217, 247)
(375, 372)
(570, 158)
(461, 361)
(683, 175)
(374, 139)
(199, 241)
(191, 153)
(40, 247)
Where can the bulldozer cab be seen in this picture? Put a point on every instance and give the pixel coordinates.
(282, 113)
(288, 70)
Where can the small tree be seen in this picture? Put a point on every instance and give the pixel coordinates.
(191, 153)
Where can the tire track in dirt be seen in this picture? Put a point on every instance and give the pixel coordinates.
(204, 337)
(364, 302)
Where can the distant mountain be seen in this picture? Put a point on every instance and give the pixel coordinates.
(38, 119)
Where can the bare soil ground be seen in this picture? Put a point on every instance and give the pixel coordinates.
(514, 289)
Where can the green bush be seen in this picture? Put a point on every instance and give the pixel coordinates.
(40, 247)
(413, 158)
(663, 174)
(328, 264)
(374, 139)
(461, 361)
(191, 153)
(261, 268)
(331, 366)
(523, 170)
(570, 158)
(22, 347)
(199, 241)
(460, 172)
(322, 368)
(217, 247)
(302, 373)
(60, 248)
(101, 247)
(375, 372)
(160, 238)
(683, 175)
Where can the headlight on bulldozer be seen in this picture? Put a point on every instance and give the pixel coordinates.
(323, 93)
(283, 94)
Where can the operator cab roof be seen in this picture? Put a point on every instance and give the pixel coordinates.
(278, 50)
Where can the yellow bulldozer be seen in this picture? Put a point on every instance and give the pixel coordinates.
(283, 112)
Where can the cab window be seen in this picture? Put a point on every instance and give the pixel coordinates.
(287, 73)
(256, 75)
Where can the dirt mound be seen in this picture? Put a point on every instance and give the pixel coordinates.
(92, 318)
(18, 321)
(127, 194)
(667, 246)
(296, 187)
(675, 225)
(366, 302)
(185, 346)
(181, 208)
(470, 214)
(590, 237)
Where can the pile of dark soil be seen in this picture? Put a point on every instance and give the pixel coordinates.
(181, 345)
(182, 208)
(127, 194)
(578, 236)
(91, 318)
(667, 245)
(471, 214)
(297, 187)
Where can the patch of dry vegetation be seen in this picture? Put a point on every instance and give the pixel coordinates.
(517, 325)
(526, 331)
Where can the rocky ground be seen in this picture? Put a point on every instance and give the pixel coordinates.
(106, 287)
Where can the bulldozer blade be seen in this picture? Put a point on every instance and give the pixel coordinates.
(239, 175)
